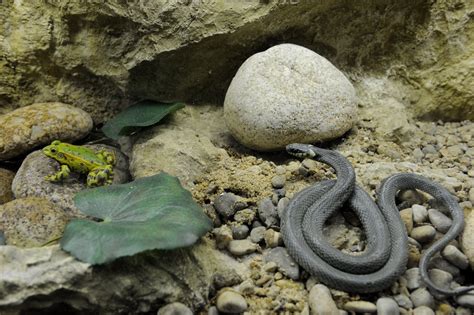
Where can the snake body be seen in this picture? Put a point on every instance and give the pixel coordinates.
(385, 257)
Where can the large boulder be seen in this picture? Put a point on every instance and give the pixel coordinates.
(49, 279)
(99, 55)
(288, 94)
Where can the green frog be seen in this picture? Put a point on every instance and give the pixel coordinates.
(97, 165)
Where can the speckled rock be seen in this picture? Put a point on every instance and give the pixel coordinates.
(231, 302)
(175, 308)
(287, 94)
(39, 124)
(467, 239)
(320, 301)
(6, 178)
(29, 180)
(31, 222)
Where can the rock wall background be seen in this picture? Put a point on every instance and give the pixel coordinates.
(102, 55)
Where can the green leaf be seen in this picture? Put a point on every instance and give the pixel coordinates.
(153, 212)
(135, 117)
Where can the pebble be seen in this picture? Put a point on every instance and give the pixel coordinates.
(213, 311)
(175, 308)
(441, 278)
(239, 232)
(467, 239)
(242, 247)
(282, 204)
(231, 302)
(270, 266)
(466, 300)
(280, 170)
(320, 301)
(279, 83)
(407, 218)
(413, 278)
(286, 264)
(423, 234)
(360, 307)
(272, 238)
(267, 212)
(6, 178)
(423, 310)
(420, 214)
(223, 236)
(441, 222)
(403, 301)
(411, 197)
(2, 239)
(429, 149)
(471, 194)
(422, 297)
(455, 256)
(387, 306)
(462, 311)
(31, 221)
(278, 181)
(257, 234)
(39, 124)
(439, 262)
(227, 204)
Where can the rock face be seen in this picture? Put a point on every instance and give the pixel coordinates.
(39, 124)
(31, 222)
(98, 56)
(30, 181)
(47, 278)
(288, 94)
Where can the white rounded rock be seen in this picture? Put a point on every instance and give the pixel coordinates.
(288, 94)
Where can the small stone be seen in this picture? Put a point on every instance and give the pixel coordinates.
(320, 301)
(240, 232)
(31, 221)
(471, 194)
(267, 212)
(175, 308)
(423, 234)
(423, 310)
(422, 297)
(360, 307)
(418, 154)
(441, 278)
(231, 302)
(410, 197)
(467, 239)
(407, 218)
(413, 278)
(444, 309)
(212, 311)
(246, 287)
(466, 300)
(6, 178)
(285, 262)
(420, 214)
(429, 149)
(438, 262)
(280, 170)
(387, 306)
(403, 301)
(225, 279)
(282, 204)
(227, 204)
(270, 266)
(257, 234)
(455, 256)
(462, 311)
(242, 247)
(278, 181)
(272, 238)
(223, 236)
(245, 216)
(309, 164)
(39, 124)
(441, 222)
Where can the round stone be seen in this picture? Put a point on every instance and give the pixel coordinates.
(387, 306)
(175, 308)
(320, 301)
(288, 94)
(31, 222)
(231, 302)
(39, 124)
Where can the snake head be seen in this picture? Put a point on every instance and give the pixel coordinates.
(301, 150)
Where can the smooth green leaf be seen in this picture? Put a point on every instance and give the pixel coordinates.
(137, 116)
(153, 212)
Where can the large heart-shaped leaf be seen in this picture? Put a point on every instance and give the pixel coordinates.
(153, 212)
(142, 114)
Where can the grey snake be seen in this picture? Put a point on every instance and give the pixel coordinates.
(386, 253)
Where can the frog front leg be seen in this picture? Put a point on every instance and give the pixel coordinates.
(100, 176)
(60, 175)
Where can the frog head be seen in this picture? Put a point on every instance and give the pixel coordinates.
(55, 151)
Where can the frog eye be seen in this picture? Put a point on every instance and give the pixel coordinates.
(53, 150)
